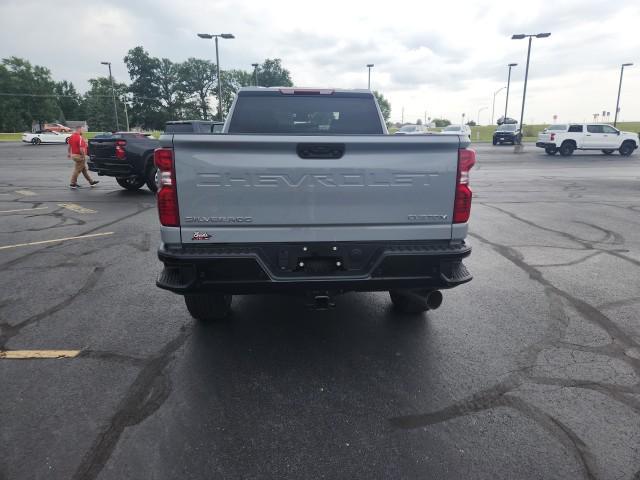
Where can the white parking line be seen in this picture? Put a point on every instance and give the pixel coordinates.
(26, 193)
(76, 208)
(26, 354)
(23, 209)
(79, 237)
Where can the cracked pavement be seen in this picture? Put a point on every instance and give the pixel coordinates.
(531, 371)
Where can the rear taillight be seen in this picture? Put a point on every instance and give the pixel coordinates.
(462, 204)
(167, 193)
(120, 151)
(552, 137)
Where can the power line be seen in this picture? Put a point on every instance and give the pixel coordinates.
(8, 94)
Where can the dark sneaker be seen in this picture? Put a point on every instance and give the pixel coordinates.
(93, 183)
(73, 186)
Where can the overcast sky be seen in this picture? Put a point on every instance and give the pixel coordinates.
(445, 58)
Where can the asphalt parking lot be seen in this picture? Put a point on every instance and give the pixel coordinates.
(532, 370)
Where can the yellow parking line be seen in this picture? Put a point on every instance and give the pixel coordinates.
(25, 354)
(23, 209)
(26, 193)
(79, 237)
(76, 208)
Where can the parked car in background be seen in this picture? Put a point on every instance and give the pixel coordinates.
(56, 127)
(587, 136)
(45, 137)
(507, 133)
(457, 130)
(412, 130)
(127, 156)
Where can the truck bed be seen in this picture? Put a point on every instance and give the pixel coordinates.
(295, 188)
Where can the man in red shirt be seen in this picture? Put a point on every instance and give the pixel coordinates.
(78, 151)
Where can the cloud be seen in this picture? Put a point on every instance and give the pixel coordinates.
(446, 58)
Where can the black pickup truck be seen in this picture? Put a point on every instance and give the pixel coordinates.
(128, 156)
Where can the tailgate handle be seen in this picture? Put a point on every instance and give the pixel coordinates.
(320, 150)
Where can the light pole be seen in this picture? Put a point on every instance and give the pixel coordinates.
(209, 36)
(615, 118)
(255, 72)
(113, 94)
(126, 113)
(506, 102)
(369, 66)
(493, 108)
(479, 110)
(463, 115)
(520, 36)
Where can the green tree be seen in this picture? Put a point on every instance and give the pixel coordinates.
(441, 122)
(99, 104)
(232, 81)
(171, 92)
(385, 106)
(17, 111)
(272, 74)
(69, 101)
(145, 88)
(198, 80)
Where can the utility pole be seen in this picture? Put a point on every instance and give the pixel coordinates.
(526, 73)
(615, 118)
(209, 36)
(506, 102)
(493, 108)
(113, 94)
(369, 66)
(255, 72)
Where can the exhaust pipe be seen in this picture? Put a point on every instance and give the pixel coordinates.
(434, 299)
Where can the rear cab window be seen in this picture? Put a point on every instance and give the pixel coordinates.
(274, 112)
(575, 128)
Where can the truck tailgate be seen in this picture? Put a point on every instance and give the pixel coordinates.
(271, 188)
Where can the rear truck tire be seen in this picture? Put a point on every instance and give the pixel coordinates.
(150, 177)
(131, 183)
(551, 150)
(208, 307)
(35, 141)
(607, 152)
(415, 301)
(566, 149)
(627, 148)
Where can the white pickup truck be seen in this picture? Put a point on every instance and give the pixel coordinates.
(566, 138)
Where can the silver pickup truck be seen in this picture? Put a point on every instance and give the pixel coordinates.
(304, 192)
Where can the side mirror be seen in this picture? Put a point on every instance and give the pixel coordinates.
(617, 132)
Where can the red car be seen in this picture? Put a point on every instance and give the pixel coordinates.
(56, 127)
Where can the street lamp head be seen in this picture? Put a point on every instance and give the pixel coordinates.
(370, 65)
(105, 63)
(205, 35)
(512, 65)
(227, 35)
(518, 36)
(543, 35)
(627, 64)
(254, 65)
